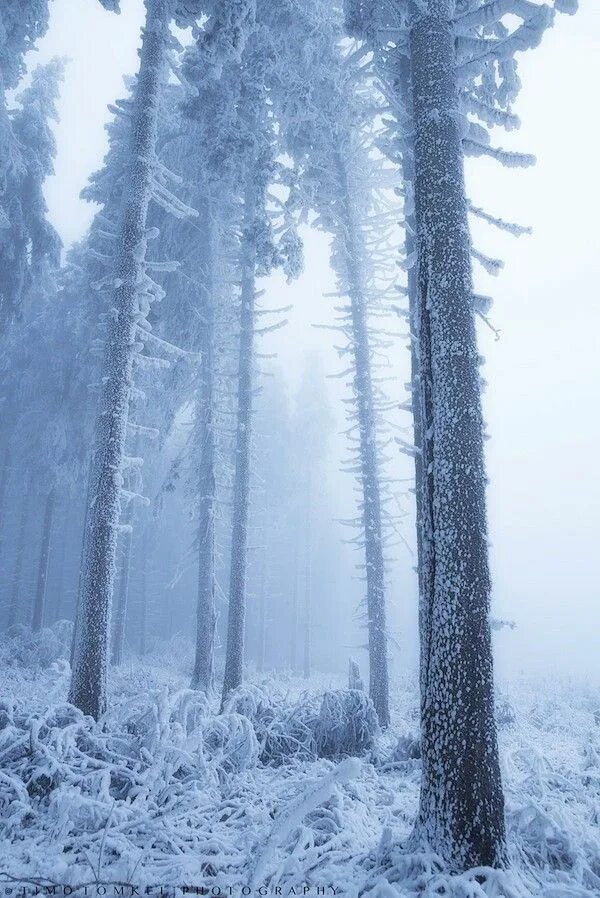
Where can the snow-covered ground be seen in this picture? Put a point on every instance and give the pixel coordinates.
(167, 792)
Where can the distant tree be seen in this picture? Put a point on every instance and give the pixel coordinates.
(327, 127)
(27, 238)
(268, 240)
(311, 426)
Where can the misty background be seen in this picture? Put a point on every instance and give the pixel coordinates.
(543, 372)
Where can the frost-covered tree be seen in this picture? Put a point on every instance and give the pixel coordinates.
(144, 179)
(27, 238)
(267, 240)
(326, 124)
(461, 64)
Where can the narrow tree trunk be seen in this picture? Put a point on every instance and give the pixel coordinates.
(144, 591)
(234, 660)
(461, 812)
(308, 578)
(369, 463)
(203, 676)
(61, 564)
(39, 606)
(18, 569)
(294, 608)
(88, 683)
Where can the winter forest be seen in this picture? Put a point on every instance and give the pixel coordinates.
(298, 507)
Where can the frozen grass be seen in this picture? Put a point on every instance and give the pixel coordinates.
(165, 790)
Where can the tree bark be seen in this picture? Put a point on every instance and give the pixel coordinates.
(203, 676)
(461, 813)
(234, 660)
(88, 683)
(368, 453)
(39, 606)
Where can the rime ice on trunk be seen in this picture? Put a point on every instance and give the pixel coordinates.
(419, 359)
(88, 683)
(461, 813)
(368, 452)
(206, 616)
(234, 659)
(39, 605)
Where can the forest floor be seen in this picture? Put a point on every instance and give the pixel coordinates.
(167, 792)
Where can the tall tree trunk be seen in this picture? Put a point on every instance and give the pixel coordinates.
(308, 578)
(461, 813)
(65, 538)
(294, 607)
(39, 606)
(234, 660)
(86, 515)
(369, 462)
(418, 348)
(144, 591)
(18, 569)
(203, 676)
(88, 683)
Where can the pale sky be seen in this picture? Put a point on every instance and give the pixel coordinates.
(543, 375)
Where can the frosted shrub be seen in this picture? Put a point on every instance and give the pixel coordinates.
(407, 748)
(347, 724)
(231, 741)
(341, 723)
(24, 648)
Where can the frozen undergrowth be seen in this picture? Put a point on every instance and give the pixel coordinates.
(167, 791)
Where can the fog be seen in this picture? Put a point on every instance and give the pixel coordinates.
(542, 372)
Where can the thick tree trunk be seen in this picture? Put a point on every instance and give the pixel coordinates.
(368, 453)
(18, 569)
(86, 514)
(461, 812)
(88, 683)
(234, 660)
(39, 606)
(203, 676)
(419, 359)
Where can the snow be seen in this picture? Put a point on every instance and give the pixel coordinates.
(165, 790)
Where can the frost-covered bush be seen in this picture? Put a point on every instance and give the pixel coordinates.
(347, 724)
(407, 748)
(505, 712)
(340, 723)
(283, 731)
(22, 647)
